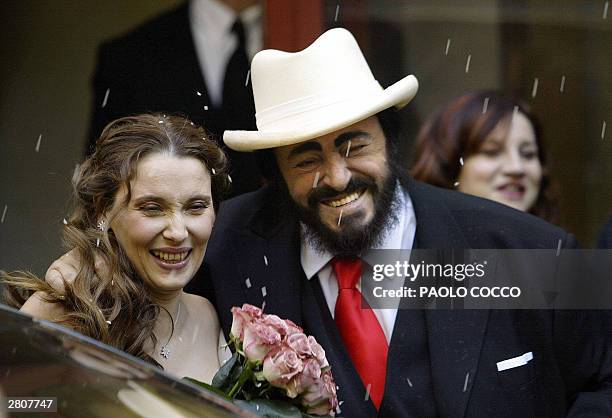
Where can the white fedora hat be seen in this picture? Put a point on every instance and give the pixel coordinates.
(323, 88)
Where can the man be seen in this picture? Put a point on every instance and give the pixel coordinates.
(191, 60)
(326, 144)
(336, 193)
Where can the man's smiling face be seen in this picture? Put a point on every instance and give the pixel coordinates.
(341, 185)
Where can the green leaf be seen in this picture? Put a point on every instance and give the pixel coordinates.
(205, 386)
(270, 409)
(245, 375)
(222, 378)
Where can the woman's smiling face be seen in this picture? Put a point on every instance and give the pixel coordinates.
(165, 226)
(506, 168)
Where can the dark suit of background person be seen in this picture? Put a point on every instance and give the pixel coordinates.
(457, 376)
(160, 66)
(605, 236)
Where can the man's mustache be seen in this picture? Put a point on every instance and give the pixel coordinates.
(326, 192)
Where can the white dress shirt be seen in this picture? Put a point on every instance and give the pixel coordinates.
(211, 27)
(401, 236)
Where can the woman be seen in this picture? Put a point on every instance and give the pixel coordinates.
(145, 206)
(490, 146)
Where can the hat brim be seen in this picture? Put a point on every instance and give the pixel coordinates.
(398, 95)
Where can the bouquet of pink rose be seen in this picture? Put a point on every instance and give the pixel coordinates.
(275, 370)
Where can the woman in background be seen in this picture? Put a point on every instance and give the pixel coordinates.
(144, 207)
(490, 146)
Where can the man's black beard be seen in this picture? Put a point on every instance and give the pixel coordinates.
(351, 239)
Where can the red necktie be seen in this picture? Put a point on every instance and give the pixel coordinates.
(362, 334)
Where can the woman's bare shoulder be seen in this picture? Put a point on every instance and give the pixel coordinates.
(202, 306)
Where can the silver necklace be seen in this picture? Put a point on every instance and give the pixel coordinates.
(165, 351)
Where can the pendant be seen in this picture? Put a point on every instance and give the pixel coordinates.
(165, 353)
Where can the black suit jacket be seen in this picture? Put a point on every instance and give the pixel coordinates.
(154, 68)
(572, 365)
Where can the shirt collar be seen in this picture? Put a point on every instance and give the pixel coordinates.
(313, 260)
(213, 13)
(251, 14)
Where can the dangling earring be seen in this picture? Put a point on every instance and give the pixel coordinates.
(102, 227)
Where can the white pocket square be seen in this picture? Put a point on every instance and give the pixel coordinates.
(511, 363)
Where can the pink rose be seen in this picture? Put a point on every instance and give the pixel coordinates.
(285, 357)
(300, 344)
(281, 367)
(259, 339)
(275, 322)
(292, 328)
(321, 398)
(318, 352)
(303, 381)
(237, 323)
(252, 311)
(241, 316)
(312, 370)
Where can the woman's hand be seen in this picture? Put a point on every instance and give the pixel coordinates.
(65, 269)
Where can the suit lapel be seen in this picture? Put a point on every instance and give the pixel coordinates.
(455, 336)
(436, 226)
(319, 322)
